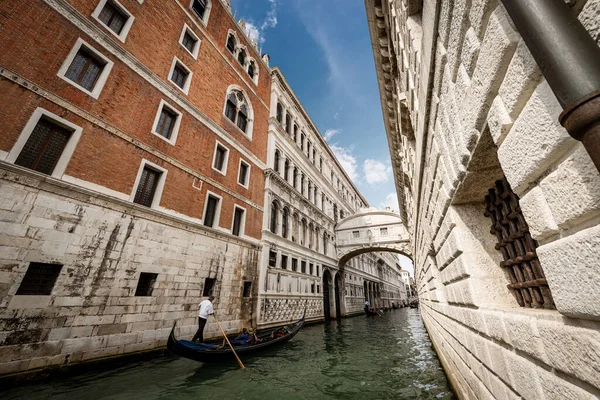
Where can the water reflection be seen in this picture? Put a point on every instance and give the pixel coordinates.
(387, 357)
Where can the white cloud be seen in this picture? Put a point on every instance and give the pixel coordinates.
(376, 172)
(329, 133)
(391, 201)
(253, 32)
(347, 160)
(271, 18)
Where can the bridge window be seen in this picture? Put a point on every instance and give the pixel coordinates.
(383, 231)
(356, 234)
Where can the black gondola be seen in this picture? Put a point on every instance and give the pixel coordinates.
(371, 313)
(213, 351)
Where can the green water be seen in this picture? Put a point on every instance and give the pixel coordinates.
(388, 357)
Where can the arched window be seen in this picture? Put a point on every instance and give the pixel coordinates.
(238, 110)
(317, 235)
(276, 162)
(322, 201)
(231, 42)
(335, 212)
(311, 232)
(286, 170)
(274, 214)
(284, 223)
(302, 184)
(242, 57)
(325, 243)
(295, 178)
(279, 113)
(288, 123)
(251, 69)
(295, 132)
(303, 233)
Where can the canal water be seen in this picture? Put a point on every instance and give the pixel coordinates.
(388, 357)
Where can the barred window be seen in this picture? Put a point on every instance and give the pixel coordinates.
(527, 280)
(44, 147)
(146, 189)
(39, 279)
(145, 285)
(113, 17)
(85, 69)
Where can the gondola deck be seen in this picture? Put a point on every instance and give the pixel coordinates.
(209, 352)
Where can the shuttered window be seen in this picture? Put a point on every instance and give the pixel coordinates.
(144, 194)
(39, 279)
(85, 69)
(166, 122)
(238, 218)
(211, 211)
(44, 147)
(113, 17)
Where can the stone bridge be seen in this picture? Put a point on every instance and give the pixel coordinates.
(371, 230)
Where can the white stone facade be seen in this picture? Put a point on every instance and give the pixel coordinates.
(464, 105)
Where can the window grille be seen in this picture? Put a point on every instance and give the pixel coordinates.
(43, 147)
(85, 69)
(247, 289)
(179, 76)
(39, 279)
(144, 194)
(113, 17)
(518, 248)
(237, 221)
(209, 285)
(145, 284)
(211, 210)
(199, 7)
(166, 122)
(189, 42)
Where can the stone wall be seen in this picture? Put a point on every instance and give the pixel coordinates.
(104, 244)
(490, 114)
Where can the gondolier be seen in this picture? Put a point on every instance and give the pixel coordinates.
(206, 309)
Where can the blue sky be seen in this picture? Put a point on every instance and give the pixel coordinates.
(324, 49)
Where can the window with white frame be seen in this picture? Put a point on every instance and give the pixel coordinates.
(231, 43)
(238, 110)
(220, 158)
(86, 68)
(242, 57)
(167, 122)
(239, 221)
(190, 41)
(202, 9)
(180, 75)
(212, 210)
(45, 144)
(149, 184)
(244, 173)
(114, 16)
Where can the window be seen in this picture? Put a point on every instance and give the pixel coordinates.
(276, 161)
(237, 110)
(251, 69)
(39, 279)
(86, 69)
(231, 42)
(244, 173)
(303, 266)
(295, 136)
(286, 170)
(242, 57)
(212, 210)
(288, 123)
(145, 284)
(294, 264)
(180, 75)
(320, 165)
(114, 17)
(310, 268)
(312, 287)
(295, 177)
(302, 140)
(166, 122)
(190, 41)
(302, 184)
(284, 223)
(201, 8)
(239, 221)
(279, 113)
(284, 261)
(220, 158)
(146, 187)
(209, 285)
(274, 215)
(247, 292)
(355, 234)
(383, 231)
(272, 258)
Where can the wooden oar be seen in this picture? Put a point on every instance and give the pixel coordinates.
(228, 342)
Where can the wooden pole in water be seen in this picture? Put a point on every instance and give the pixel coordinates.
(229, 343)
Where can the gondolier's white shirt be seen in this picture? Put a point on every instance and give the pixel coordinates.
(205, 309)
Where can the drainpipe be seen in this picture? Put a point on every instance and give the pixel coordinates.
(570, 61)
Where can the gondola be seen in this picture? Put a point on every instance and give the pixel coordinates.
(372, 313)
(213, 351)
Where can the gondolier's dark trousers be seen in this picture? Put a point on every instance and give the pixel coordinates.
(200, 332)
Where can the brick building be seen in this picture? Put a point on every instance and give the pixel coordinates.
(134, 139)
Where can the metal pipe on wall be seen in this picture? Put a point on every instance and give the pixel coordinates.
(569, 59)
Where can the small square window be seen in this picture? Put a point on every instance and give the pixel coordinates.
(39, 279)
(147, 185)
(355, 234)
(272, 259)
(294, 264)
(145, 284)
(220, 158)
(244, 175)
(211, 212)
(200, 8)
(190, 41)
(86, 68)
(209, 284)
(114, 17)
(284, 261)
(383, 231)
(247, 289)
(166, 122)
(180, 75)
